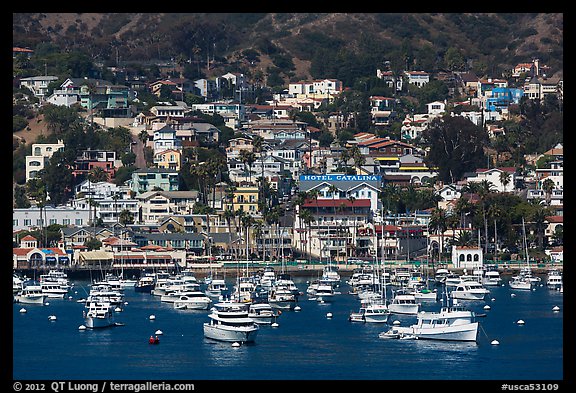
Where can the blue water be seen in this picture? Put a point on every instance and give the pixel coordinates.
(307, 344)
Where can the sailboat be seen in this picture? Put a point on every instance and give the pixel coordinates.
(374, 309)
(523, 279)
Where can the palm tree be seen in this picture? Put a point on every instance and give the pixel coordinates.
(248, 157)
(505, 179)
(307, 217)
(229, 216)
(438, 224)
(548, 186)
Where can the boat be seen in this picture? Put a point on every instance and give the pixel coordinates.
(174, 292)
(268, 278)
(423, 294)
(330, 273)
(17, 281)
(145, 283)
(491, 277)
(440, 275)
(216, 288)
(451, 323)
(469, 290)
(281, 297)
(371, 312)
(229, 321)
(56, 276)
(519, 282)
(404, 302)
(554, 279)
(452, 280)
(98, 315)
(244, 289)
(193, 300)
(263, 313)
(53, 289)
(325, 291)
(30, 293)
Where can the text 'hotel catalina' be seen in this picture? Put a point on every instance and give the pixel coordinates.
(358, 186)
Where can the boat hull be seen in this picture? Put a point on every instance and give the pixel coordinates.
(30, 300)
(97, 323)
(466, 332)
(222, 333)
(411, 309)
(468, 295)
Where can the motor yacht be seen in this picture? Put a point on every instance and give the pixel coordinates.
(229, 321)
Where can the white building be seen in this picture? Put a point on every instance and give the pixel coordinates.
(464, 257)
(41, 154)
(29, 218)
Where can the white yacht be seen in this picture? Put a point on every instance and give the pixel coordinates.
(263, 313)
(193, 300)
(370, 312)
(31, 293)
(519, 282)
(98, 315)
(53, 289)
(404, 303)
(491, 278)
(324, 291)
(229, 321)
(330, 273)
(451, 323)
(469, 290)
(554, 279)
(216, 288)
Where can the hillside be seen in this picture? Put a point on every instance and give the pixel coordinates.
(223, 38)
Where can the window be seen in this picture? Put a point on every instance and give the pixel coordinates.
(78, 221)
(66, 221)
(27, 222)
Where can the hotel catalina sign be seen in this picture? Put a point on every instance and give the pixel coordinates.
(332, 178)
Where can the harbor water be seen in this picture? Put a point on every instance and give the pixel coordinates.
(318, 342)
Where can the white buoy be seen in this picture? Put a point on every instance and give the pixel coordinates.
(495, 342)
(493, 299)
(275, 324)
(520, 322)
(70, 298)
(297, 308)
(235, 344)
(46, 304)
(22, 310)
(52, 317)
(81, 327)
(152, 317)
(555, 308)
(117, 309)
(329, 315)
(486, 307)
(158, 332)
(396, 322)
(125, 303)
(512, 295)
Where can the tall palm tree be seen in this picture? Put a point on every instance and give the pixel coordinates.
(505, 179)
(548, 186)
(307, 217)
(229, 215)
(438, 224)
(248, 158)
